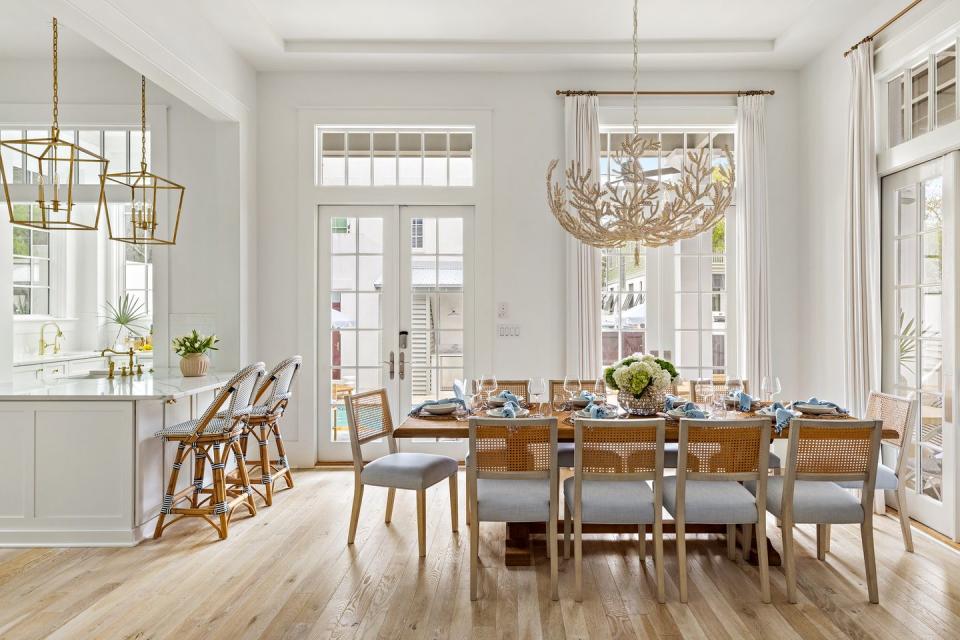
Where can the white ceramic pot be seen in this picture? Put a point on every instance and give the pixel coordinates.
(194, 365)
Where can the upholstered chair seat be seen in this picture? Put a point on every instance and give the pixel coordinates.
(612, 501)
(712, 501)
(505, 500)
(412, 471)
(814, 501)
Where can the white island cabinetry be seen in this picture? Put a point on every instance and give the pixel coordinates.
(82, 467)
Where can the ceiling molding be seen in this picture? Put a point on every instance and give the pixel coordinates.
(516, 47)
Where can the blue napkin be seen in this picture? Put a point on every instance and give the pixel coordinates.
(599, 411)
(746, 402)
(509, 410)
(416, 410)
(691, 410)
(823, 403)
(459, 390)
(783, 415)
(672, 401)
(506, 396)
(586, 395)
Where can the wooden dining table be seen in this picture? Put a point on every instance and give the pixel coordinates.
(519, 543)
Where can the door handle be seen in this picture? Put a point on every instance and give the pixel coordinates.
(401, 365)
(390, 364)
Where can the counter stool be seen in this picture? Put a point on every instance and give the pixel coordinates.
(212, 438)
(262, 422)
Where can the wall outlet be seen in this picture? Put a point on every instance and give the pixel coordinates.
(502, 311)
(508, 330)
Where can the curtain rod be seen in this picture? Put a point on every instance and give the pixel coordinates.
(750, 92)
(880, 29)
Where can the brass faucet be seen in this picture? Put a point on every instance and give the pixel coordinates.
(56, 339)
(124, 370)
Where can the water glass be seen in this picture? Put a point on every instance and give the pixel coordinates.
(487, 384)
(600, 390)
(571, 385)
(537, 388)
(770, 387)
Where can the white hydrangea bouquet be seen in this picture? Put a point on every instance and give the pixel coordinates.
(642, 382)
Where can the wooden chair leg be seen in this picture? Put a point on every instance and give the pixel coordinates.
(822, 533)
(554, 560)
(391, 496)
(826, 538)
(220, 489)
(732, 542)
(355, 512)
(658, 558)
(474, 548)
(762, 558)
(682, 557)
(454, 506)
(171, 488)
(903, 512)
(282, 455)
(199, 465)
(244, 477)
(869, 559)
(747, 541)
(266, 478)
(422, 521)
(567, 529)
(642, 540)
(789, 561)
(578, 556)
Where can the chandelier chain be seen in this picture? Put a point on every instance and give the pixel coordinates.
(56, 85)
(636, 71)
(143, 123)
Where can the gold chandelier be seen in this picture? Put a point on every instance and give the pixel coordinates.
(634, 208)
(54, 165)
(144, 219)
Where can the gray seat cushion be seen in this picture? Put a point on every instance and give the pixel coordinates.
(671, 453)
(408, 470)
(612, 501)
(886, 480)
(711, 501)
(513, 500)
(565, 454)
(814, 501)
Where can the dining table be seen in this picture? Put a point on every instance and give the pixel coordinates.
(518, 550)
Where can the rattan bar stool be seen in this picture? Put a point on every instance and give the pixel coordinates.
(262, 422)
(212, 439)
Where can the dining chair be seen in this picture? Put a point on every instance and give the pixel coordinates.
(369, 419)
(615, 461)
(512, 477)
(263, 422)
(900, 415)
(821, 453)
(715, 458)
(212, 438)
(519, 388)
(565, 449)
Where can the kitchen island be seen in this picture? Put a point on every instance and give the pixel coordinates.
(81, 465)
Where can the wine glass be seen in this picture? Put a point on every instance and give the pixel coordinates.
(487, 385)
(770, 386)
(718, 398)
(600, 390)
(571, 385)
(537, 388)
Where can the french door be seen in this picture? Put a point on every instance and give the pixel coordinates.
(395, 312)
(918, 257)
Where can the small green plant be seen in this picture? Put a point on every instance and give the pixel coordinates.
(128, 313)
(194, 343)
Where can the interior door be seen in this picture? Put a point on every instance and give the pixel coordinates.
(394, 313)
(918, 271)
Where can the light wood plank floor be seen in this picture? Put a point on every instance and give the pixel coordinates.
(288, 574)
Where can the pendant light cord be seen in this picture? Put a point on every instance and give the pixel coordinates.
(143, 123)
(56, 86)
(636, 71)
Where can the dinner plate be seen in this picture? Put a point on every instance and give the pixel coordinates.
(499, 402)
(440, 409)
(583, 413)
(680, 413)
(498, 413)
(813, 409)
(580, 402)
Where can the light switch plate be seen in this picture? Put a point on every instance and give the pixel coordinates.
(502, 311)
(508, 331)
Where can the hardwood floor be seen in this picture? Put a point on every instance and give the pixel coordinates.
(288, 573)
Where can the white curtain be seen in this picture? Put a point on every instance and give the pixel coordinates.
(862, 237)
(752, 268)
(582, 144)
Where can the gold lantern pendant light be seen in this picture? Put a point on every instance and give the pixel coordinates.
(144, 219)
(635, 207)
(55, 166)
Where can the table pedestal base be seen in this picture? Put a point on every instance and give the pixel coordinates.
(518, 550)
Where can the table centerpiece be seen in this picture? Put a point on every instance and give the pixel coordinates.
(641, 382)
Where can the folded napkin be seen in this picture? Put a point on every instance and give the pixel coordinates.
(599, 411)
(823, 403)
(459, 389)
(783, 415)
(586, 395)
(672, 401)
(692, 411)
(506, 396)
(510, 409)
(745, 400)
(416, 410)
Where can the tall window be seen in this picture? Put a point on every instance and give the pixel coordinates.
(31, 266)
(138, 276)
(669, 301)
(923, 97)
(383, 157)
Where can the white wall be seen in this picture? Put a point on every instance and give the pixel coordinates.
(528, 247)
(198, 283)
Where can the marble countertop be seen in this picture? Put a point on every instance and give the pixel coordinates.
(65, 356)
(163, 384)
